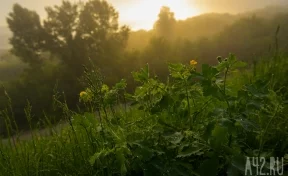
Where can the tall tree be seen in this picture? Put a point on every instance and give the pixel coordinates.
(165, 25)
(73, 32)
(28, 35)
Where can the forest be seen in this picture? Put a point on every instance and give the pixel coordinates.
(188, 97)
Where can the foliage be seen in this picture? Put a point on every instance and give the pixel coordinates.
(184, 119)
(56, 50)
(53, 51)
(195, 123)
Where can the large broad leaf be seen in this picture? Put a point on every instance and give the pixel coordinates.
(229, 124)
(222, 66)
(208, 130)
(143, 152)
(142, 75)
(176, 70)
(174, 138)
(191, 150)
(219, 136)
(210, 89)
(246, 124)
(120, 156)
(121, 85)
(254, 105)
(176, 67)
(96, 156)
(239, 64)
(209, 72)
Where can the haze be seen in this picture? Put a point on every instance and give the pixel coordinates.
(141, 14)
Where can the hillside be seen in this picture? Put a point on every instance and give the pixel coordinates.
(205, 25)
(268, 12)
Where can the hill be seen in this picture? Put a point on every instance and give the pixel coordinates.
(268, 12)
(205, 25)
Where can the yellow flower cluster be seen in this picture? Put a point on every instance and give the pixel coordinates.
(193, 62)
(86, 96)
(83, 93)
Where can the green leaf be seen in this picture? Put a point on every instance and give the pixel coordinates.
(142, 152)
(222, 66)
(209, 72)
(176, 67)
(239, 64)
(246, 124)
(121, 160)
(175, 138)
(176, 70)
(219, 136)
(142, 75)
(95, 157)
(229, 124)
(192, 150)
(209, 129)
(121, 85)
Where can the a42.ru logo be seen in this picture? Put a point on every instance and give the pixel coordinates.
(260, 166)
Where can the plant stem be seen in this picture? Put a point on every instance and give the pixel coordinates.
(266, 129)
(187, 98)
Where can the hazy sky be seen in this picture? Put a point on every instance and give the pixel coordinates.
(142, 13)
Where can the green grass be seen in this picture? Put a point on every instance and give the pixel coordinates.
(194, 124)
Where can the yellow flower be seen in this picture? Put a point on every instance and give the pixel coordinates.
(193, 62)
(83, 93)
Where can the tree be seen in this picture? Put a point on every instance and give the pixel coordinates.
(27, 34)
(71, 34)
(165, 25)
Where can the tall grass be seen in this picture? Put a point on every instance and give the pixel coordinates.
(194, 124)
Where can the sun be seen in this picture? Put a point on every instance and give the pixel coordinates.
(142, 14)
(181, 8)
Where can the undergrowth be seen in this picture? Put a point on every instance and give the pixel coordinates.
(196, 123)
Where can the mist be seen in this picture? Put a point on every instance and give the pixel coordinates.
(125, 6)
(234, 6)
(143, 87)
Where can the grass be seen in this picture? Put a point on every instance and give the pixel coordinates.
(194, 124)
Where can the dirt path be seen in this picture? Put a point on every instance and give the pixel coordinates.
(43, 132)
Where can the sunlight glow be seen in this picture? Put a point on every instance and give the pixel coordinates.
(141, 14)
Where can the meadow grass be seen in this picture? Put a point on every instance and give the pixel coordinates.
(194, 124)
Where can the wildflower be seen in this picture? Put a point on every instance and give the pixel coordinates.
(83, 93)
(193, 62)
(86, 96)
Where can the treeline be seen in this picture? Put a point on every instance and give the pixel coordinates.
(75, 36)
